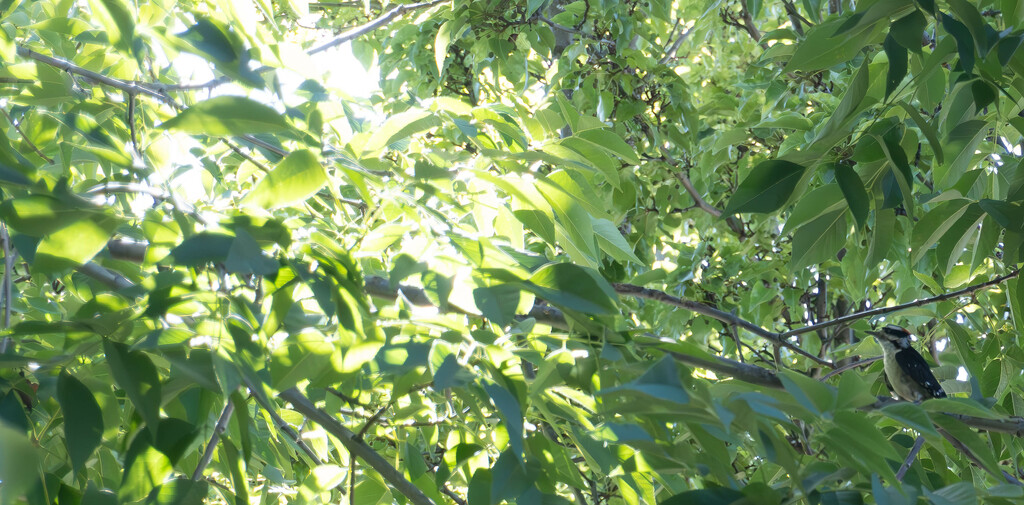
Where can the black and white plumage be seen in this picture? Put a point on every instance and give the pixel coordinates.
(907, 371)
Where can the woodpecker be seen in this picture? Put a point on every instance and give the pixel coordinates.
(906, 369)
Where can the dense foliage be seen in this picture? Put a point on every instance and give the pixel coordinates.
(593, 252)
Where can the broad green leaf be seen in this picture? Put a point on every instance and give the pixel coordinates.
(816, 203)
(399, 127)
(74, 245)
(975, 24)
(767, 187)
(118, 21)
(853, 100)
(297, 177)
(897, 64)
(819, 240)
(709, 496)
(954, 242)
(182, 491)
(815, 396)
(510, 412)
(38, 215)
(19, 464)
(912, 416)
(926, 128)
(611, 241)
(971, 440)
(1008, 215)
(934, 226)
(83, 420)
(571, 217)
(227, 115)
(820, 49)
(304, 356)
(203, 248)
(441, 42)
(573, 287)
(134, 373)
(246, 257)
(196, 367)
(660, 382)
(964, 42)
(611, 142)
(909, 29)
(853, 189)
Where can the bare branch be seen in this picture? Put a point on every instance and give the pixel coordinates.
(848, 366)
(222, 424)
(725, 317)
(896, 308)
(384, 19)
(356, 447)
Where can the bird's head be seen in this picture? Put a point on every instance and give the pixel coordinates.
(896, 335)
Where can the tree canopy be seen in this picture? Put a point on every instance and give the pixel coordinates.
(592, 251)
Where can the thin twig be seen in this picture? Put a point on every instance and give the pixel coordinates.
(896, 308)
(384, 19)
(688, 185)
(279, 421)
(24, 137)
(567, 29)
(222, 424)
(848, 366)
(725, 317)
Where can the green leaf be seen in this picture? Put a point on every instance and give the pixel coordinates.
(182, 491)
(83, 420)
(303, 356)
(819, 240)
(134, 373)
(227, 115)
(814, 204)
(934, 226)
(926, 129)
(573, 287)
(853, 190)
(398, 127)
(511, 413)
(297, 177)
(954, 242)
(498, 303)
(611, 142)
(246, 257)
(203, 248)
(909, 30)
(969, 438)
(441, 43)
(611, 241)
(821, 50)
(118, 21)
(961, 143)
(767, 187)
(709, 496)
(964, 42)
(19, 464)
(815, 396)
(910, 415)
(660, 382)
(74, 245)
(897, 64)
(196, 367)
(1008, 215)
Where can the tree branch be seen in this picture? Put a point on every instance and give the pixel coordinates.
(355, 446)
(222, 424)
(725, 317)
(384, 19)
(896, 308)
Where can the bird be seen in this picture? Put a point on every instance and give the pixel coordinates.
(907, 371)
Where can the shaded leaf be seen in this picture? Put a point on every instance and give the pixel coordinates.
(227, 115)
(767, 187)
(83, 420)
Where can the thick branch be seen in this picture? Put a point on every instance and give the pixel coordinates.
(356, 446)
